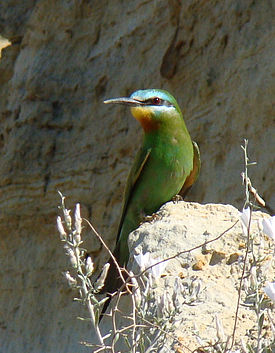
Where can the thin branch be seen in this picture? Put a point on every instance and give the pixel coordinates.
(134, 323)
(108, 250)
(163, 331)
(189, 250)
(241, 281)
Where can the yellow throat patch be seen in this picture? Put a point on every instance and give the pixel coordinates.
(144, 116)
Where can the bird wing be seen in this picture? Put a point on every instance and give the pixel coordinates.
(192, 177)
(139, 163)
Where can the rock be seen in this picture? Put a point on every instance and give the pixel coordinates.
(65, 58)
(183, 226)
(46, 313)
(57, 134)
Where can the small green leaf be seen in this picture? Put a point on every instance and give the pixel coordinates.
(116, 337)
(261, 321)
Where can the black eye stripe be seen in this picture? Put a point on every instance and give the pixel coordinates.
(157, 101)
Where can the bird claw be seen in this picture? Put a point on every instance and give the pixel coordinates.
(177, 198)
(151, 218)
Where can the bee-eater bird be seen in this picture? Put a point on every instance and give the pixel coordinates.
(168, 163)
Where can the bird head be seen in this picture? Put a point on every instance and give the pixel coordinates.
(153, 108)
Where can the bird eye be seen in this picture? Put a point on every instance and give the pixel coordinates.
(156, 101)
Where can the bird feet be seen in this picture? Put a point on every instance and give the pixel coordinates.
(177, 198)
(151, 218)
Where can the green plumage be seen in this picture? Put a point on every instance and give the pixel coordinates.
(167, 163)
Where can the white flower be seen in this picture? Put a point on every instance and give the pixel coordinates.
(245, 217)
(72, 256)
(89, 266)
(269, 227)
(60, 228)
(145, 261)
(142, 260)
(101, 280)
(78, 221)
(71, 280)
(270, 290)
(158, 269)
(68, 218)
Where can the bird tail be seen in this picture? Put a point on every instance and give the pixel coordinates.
(113, 282)
(105, 307)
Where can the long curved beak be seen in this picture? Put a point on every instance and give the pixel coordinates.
(124, 101)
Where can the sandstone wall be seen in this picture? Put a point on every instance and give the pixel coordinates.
(66, 57)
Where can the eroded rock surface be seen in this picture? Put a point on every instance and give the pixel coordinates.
(65, 58)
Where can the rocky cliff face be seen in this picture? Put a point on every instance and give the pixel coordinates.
(65, 58)
(209, 274)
